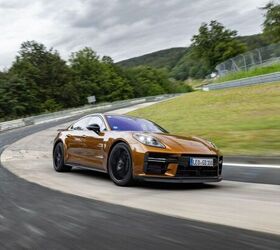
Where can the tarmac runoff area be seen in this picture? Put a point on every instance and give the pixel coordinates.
(238, 204)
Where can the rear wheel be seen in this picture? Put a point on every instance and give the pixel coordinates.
(58, 159)
(120, 165)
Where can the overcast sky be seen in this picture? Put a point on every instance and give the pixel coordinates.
(118, 28)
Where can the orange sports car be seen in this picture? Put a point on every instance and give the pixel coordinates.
(130, 148)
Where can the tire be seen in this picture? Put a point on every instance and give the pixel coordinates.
(120, 165)
(58, 159)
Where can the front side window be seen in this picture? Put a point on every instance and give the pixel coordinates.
(81, 124)
(125, 123)
(97, 120)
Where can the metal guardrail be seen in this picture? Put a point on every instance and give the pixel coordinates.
(32, 120)
(267, 78)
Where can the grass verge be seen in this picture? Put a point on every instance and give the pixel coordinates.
(241, 121)
(253, 72)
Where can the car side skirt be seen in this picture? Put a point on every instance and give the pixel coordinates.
(87, 168)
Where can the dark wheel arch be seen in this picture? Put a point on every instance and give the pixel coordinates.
(127, 178)
(58, 158)
(55, 143)
(111, 148)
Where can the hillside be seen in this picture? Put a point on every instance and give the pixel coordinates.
(244, 121)
(177, 60)
(253, 41)
(160, 59)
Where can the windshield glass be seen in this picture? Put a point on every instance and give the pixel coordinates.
(127, 123)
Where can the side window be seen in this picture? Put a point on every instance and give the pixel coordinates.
(81, 124)
(97, 120)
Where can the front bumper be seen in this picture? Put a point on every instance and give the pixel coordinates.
(176, 168)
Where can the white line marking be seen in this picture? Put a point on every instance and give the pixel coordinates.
(250, 165)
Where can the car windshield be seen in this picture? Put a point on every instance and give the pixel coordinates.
(127, 123)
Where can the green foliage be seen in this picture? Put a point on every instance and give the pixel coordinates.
(160, 59)
(40, 81)
(148, 81)
(50, 105)
(44, 72)
(211, 42)
(271, 25)
(212, 45)
(16, 97)
(97, 77)
(190, 67)
(254, 41)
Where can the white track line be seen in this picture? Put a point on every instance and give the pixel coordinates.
(250, 165)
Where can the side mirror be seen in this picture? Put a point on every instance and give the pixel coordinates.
(94, 127)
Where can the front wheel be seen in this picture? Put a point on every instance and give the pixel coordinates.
(120, 165)
(58, 159)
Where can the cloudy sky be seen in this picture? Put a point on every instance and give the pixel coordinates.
(118, 28)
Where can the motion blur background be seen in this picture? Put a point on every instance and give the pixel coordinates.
(205, 68)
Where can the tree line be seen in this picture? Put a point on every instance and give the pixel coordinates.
(39, 80)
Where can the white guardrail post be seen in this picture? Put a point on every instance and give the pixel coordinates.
(39, 119)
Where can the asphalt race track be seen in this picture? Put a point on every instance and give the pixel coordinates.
(34, 217)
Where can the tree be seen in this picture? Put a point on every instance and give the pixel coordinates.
(190, 66)
(147, 81)
(40, 81)
(85, 70)
(107, 60)
(271, 25)
(43, 70)
(99, 77)
(16, 98)
(214, 44)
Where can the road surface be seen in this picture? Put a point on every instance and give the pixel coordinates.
(36, 217)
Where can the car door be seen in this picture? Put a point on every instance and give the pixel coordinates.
(75, 142)
(94, 144)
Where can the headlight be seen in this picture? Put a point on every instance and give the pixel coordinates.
(148, 140)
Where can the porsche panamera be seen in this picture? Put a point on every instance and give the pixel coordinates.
(130, 148)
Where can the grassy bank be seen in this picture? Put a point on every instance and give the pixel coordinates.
(244, 121)
(253, 72)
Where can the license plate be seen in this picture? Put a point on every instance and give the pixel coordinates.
(203, 162)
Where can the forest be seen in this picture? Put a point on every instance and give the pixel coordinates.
(39, 81)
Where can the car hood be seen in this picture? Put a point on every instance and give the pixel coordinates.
(183, 144)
